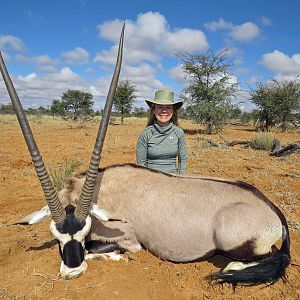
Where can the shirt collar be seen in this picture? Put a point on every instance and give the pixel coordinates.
(163, 129)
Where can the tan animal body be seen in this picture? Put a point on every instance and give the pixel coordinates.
(181, 218)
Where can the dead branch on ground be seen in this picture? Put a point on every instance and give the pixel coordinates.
(280, 151)
(277, 149)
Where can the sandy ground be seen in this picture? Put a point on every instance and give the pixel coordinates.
(29, 262)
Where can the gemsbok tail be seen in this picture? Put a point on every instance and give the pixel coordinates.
(267, 270)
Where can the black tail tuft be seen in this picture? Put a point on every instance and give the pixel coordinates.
(268, 270)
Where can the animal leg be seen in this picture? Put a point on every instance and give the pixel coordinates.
(241, 238)
(104, 251)
(105, 256)
(132, 244)
(101, 247)
(116, 232)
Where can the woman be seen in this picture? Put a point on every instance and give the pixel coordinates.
(161, 145)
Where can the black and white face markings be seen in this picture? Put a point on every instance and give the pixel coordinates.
(71, 235)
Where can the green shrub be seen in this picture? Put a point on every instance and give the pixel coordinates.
(263, 141)
(63, 171)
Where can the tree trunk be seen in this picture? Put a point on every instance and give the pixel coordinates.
(122, 117)
(209, 125)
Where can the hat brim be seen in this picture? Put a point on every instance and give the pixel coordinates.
(150, 103)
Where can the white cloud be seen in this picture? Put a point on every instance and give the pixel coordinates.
(140, 71)
(28, 78)
(231, 51)
(254, 79)
(144, 78)
(281, 63)
(47, 68)
(44, 62)
(107, 56)
(14, 42)
(37, 90)
(221, 24)
(245, 32)
(177, 74)
(22, 58)
(242, 101)
(100, 87)
(148, 38)
(266, 21)
(130, 56)
(234, 54)
(152, 25)
(110, 30)
(287, 78)
(76, 56)
(65, 75)
(133, 56)
(184, 40)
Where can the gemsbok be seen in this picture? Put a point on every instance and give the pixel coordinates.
(177, 218)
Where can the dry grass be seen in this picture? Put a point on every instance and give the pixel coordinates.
(263, 141)
(63, 171)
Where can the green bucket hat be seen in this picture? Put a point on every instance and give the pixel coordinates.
(164, 97)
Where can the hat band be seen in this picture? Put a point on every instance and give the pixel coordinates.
(162, 101)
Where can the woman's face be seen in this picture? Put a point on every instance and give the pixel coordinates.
(163, 114)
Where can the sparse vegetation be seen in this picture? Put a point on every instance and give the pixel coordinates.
(124, 98)
(74, 105)
(209, 89)
(263, 141)
(278, 103)
(63, 171)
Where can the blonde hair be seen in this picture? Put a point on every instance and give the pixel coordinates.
(152, 117)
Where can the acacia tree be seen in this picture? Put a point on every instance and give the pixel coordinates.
(287, 101)
(57, 109)
(74, 104)
(210, 88)
(7, 109)
(278, 102)
(262, 98)
(124, 98)
(139, 112)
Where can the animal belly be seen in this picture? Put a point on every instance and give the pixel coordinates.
(177, 246)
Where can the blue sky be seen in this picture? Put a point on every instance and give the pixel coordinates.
(52, 46)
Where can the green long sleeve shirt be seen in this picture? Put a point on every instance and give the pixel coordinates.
(159, 148)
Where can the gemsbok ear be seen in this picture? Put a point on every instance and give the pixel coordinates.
(35, 217)
(99, 213)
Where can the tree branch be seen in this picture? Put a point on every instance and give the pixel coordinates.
(286, 150)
